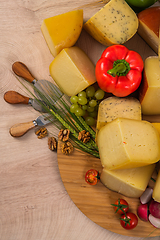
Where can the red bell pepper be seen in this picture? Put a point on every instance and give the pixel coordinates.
(119, 71)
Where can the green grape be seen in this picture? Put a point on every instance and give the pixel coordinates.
(99, 94)
(90, 121)
(90, 109)
(74, 99)
(84, 107)
(73, 107)
(92, 103)
(93, 114)
(90, 91)
(79, 112)
(82, 100)
(82, 94)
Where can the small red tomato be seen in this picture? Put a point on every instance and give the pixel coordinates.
(92, 177)
(129, 220)
(121, 206)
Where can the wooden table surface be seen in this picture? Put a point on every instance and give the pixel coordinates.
(34, 204)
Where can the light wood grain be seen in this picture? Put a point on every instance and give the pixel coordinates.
(34, 204)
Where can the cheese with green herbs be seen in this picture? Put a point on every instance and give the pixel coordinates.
(129, 182)
(156, 189)
(115, 23)
(127, 143)
(72, 70)
(114, 107)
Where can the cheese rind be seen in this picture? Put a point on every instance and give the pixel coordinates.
(149, 22)
(150, 89)
(126, 143)
(72, 70)
(114, 107)
(115, 23)
(129, 182)
(63, 30)
(156, 189)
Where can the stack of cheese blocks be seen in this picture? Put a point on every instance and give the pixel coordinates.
(129, 147)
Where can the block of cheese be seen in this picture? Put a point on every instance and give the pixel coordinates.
(127, 143)
(72, 70)
(129, 182)
(63, 30)
(156, 189)
(149, 93)
(157, 126)
(149, 22)
(114, 107)
(115, 23)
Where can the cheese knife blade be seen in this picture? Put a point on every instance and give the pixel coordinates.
(20, 129)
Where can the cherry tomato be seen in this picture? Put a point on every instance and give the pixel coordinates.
(92, 177)
(129, 220)
(121, 206)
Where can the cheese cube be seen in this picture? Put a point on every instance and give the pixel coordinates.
(156, 189)
(149, 94)
(114, 107)
(72, 70)
(126, 143)
(149, 22)
(115, 23)
(129, 182)
(63, 30)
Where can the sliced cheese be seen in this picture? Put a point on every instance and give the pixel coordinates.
(114, 107)
(63, 30)
(115, 23)
(129, 182)
(149, 22)
(149, 94)
(127, 143)
(72, 70)
(156, 189)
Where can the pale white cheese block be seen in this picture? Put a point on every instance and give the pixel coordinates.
(129, 182)
(149, 94)
(115, 23)
(127, 143)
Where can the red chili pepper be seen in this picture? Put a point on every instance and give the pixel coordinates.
(119, 70)
(92, 177)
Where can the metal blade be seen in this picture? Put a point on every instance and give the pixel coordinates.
(43, 120)
(46, 87)
(37, 105)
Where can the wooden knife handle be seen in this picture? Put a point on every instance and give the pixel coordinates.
(15, 97)
(20, 129)
(21, 70)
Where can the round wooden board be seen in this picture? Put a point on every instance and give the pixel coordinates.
(95, 201)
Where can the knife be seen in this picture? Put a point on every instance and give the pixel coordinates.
(20, 129)
(21, 70)
(14, 97)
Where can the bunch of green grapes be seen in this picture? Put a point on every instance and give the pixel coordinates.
(86, 103)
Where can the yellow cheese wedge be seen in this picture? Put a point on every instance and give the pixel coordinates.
(129, 182)
(114, 107)
(115, 23)
(127, 143)
(157, 126)
(149, 94)
(63, 30)
(72, 70)
(156, 189)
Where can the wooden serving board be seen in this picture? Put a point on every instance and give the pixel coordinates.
(95, 201)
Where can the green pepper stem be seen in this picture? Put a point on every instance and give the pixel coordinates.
(119, 68)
